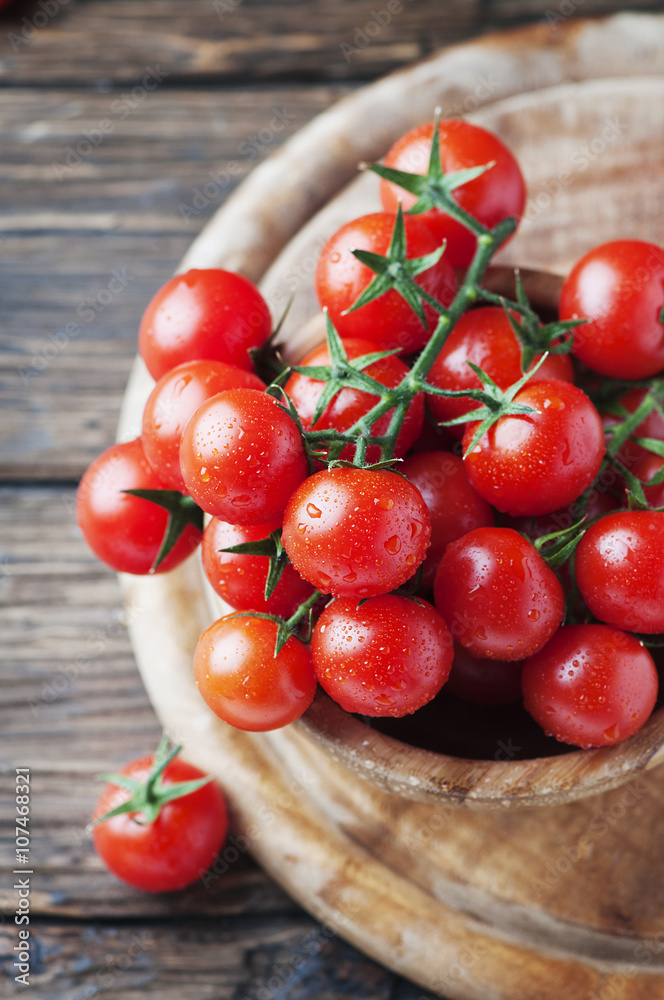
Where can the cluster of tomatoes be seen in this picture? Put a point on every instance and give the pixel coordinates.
(520, 551)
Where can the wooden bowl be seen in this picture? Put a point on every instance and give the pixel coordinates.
(559, 900)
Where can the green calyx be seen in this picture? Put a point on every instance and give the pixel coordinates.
(271, 548)
(182, 510)
(149, 797)
(288, 627)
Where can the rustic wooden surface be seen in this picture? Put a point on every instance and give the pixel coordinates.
(230, 89)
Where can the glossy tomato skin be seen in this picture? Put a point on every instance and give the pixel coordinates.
(495, 195)
(499, 598)
(174, 400)
(388, 322)
(619, 565)
(484, 337)
(619, 288)
(591, 685)
(536, 463)
(387, 656)
(172, 852)
(356, 532)
(349, 405)
(124, 531)
(240, 579)
(482, 681)
(241, 456)
(210, 313)
(244, 683)
(455, 508)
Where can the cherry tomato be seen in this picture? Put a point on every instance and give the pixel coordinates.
(388, 321)
(482, 681)
(349, 405)
(619, 288)
(210, 313)
(244, 683)
(455, 508)
(385, 656)
(591, 685)
(240, 579)
(124, 531)
(242, 456)
(536, 463)
(498, 596)
(484, 337)
(493, 196)
(174, 400)
(619, 566)
(356, 532)
(171, 852)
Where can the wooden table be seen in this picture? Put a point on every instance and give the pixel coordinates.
(124, 125)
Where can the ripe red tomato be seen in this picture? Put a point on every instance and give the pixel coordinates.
(619, 288)
(484, 337)
(240, 579)
(124, 531)
(171, 852)
(482, 681)
(210, 313)
(350, 404)
(356, 532)
(454, 506)
(244, 683)
(388, 321)
(493, 196)
(385, 656)
(591, 685)
(619, 566)
(242, 456)
(536, 463)
(499, 598)
(174, 400)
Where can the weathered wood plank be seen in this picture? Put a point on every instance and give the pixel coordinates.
(91, 233)
(226, 39)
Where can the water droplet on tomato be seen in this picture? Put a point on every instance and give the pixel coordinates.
(385, 503)
(393, 545)
(312, 510)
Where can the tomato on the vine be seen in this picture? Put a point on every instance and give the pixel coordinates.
(385, 656)
(241, 456)
(495, 195)
(497, 594)
(244, 683)
(210, 313)
(356, 532)
(591, 685)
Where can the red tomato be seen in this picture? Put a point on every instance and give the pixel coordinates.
(349, 405)
(498, 596)
(385, 656)
(240, 579)
(482, 681)
(244, 683)
(536, 463)
(242, 456)
(174, 400)
(619, 288)
(619, 566)
(211, 314)
(493, 196)
(454, 506)
(177, 847)
(591, 685)
(388, 322)
(356, 532)
(484, 337)
(124, 531)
